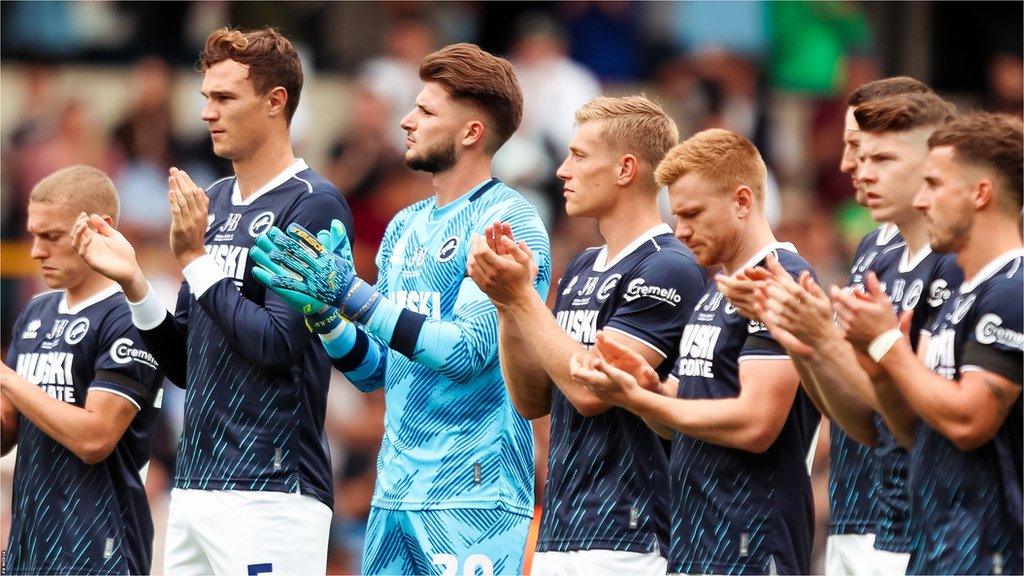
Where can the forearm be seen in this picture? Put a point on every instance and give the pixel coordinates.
(73, 427)
(8, 425)
(844, 389)
(528, 384)
(895, 410)
(553, 349)
(272, 336)
(726, 422)
(163, 338)
(358, 355)
(937, 400)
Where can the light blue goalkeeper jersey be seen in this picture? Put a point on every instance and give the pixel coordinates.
(452, 438)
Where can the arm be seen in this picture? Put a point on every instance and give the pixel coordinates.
(528, 384)
(90, 432)
(969, 412)
(553, 349)
(799, 315)
(8, 425)
(108, 252)
(751, 421)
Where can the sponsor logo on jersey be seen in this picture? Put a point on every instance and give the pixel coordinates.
(697, 350)
(261, 223)
(580, 325)
(608, 285)
(51, 371)
(229, 258)
(32, 330)
(76, 330)
(423, 302)
(448, 249)
(938, 293)
(638, 288)
(940, 355)
(123, 351)
(990, 331)
(412, 265)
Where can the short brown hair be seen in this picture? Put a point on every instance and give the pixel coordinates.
(895, 86)
(485, 80)
(82, 188)
(634, 124)
(724, 157)
(270, 57)
(903, 113)
(990, 140)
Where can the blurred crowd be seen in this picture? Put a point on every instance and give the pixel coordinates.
(775, 72)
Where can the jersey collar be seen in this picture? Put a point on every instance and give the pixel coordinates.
(910, 261)
(236, 194)
(886, 232)
(599, 263)
(763, 253)
(63, 308)
(989, 270)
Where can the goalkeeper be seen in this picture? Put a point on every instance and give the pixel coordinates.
(455, 473)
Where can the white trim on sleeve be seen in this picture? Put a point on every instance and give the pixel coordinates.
(148, 313)
(637, 338)
(116, 392)
(202, 273)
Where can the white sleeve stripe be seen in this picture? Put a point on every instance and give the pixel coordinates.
(149, 313)
(765, 357)
(117, 392)
(973, 368)
(674, 377)
(202, 273)
(637, 338)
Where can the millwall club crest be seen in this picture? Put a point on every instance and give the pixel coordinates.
(448, 249)
(261, 224)
(76, 331)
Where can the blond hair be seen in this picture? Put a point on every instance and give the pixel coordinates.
(81, 188)
(726, 159)
(633, 124)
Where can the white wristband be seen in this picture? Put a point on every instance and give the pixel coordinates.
(882, 343)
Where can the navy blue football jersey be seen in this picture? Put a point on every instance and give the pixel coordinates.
(733, 511)
(256, 381)
(607, 485)
(922, 285)
(69, 517)
(966, 506)
(852, 491)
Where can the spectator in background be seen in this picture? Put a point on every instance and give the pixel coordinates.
(1006, 83)
(394, 77)
(606, 37)
(365, 153)
(143, 139)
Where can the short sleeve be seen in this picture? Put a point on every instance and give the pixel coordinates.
(319, 208)
(760, 342)
(656, 300)
(123, 366)
(995, 338)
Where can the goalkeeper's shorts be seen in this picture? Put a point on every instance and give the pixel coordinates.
(441, 542)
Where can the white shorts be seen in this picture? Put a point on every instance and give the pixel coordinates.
(889, 563)
(855, 555)
(248, 533)
(597, 562)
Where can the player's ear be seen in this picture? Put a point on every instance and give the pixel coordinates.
(981, 194)
(277, 99)
(743, 196)
(474, 132)
(109, 220)
(629, 167)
